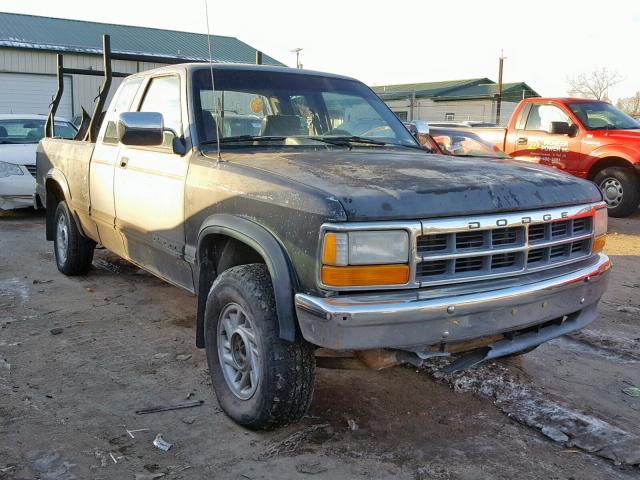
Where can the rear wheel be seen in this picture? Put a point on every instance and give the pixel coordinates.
(621, 190)
(74, 253)
(261, 381)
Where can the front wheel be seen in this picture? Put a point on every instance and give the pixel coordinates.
(621, 190)
(261, 381)
(74, 252)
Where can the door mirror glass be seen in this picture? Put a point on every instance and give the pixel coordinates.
(143, 129)
(562, 128)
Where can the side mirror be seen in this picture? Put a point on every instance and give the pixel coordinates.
(563, 128)
(422, 126)
(144, 129)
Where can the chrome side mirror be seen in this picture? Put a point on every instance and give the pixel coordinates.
(144, 129)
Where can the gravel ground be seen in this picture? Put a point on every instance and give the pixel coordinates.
(78, 357)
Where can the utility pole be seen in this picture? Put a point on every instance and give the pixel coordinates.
(297, 52)
(499, 99)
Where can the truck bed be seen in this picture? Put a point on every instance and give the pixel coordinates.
(494, 135)
(69, 158)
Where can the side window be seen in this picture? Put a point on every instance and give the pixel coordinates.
(541, 116)
(120, 103)
(163, 96)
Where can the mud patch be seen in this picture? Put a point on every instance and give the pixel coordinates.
(188, 321)
(529, 406)
(115, 264)
(628, 348)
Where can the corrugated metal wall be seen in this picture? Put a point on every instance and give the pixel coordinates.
(85, 88)
(458, 111)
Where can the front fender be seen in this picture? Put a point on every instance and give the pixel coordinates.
(274, 255)
(625, 152)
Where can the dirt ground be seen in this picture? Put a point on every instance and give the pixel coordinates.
(79, 356)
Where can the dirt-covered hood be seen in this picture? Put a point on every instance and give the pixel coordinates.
(379, 184)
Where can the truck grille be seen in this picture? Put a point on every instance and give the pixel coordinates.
(31, 169)
(468, 249)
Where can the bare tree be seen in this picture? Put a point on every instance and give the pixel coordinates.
(593, 85)
(630, 105)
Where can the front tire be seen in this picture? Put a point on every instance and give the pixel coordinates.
(261, 381)
(74, 252)
(621, 190)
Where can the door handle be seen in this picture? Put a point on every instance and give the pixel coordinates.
(124, 161)
(523, 140)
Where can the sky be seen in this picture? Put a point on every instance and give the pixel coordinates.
(545, 42)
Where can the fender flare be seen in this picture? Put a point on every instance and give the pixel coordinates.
(275, 257)
(59, 179)
(614, 151)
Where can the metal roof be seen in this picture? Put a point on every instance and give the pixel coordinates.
(424, 89)
(57, 34)
(465, 89)
(516, 90)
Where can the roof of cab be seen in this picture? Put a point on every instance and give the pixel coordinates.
(241, 67)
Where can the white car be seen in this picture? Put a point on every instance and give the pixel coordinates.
(19, 137)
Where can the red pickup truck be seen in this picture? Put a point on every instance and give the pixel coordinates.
(587, 138)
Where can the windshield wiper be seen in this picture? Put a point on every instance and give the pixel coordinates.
(245, 138)
(346, 140)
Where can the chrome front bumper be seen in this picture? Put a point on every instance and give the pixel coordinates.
(409, 320)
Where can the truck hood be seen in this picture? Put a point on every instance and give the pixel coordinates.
(19, 154)
(623, 135)
(379, 184)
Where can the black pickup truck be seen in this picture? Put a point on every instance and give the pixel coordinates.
(303, 214)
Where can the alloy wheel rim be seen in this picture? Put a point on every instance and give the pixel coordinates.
(62, 239)
(612, 191)
(239, 351)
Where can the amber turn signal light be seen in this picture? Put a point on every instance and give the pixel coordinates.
(352, 276)
(599, 243)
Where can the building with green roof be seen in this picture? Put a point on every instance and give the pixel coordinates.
(473, 99)
(29, 44)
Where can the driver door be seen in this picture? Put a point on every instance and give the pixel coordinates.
(535, 142)
(149, 190)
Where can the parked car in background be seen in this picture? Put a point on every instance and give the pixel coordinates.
(452, 141)
(19, 137)
(463, 124)
(462, 143)
(587, 138)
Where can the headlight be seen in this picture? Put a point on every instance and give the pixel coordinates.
(365, 258)
(600, 220)
(7, 169)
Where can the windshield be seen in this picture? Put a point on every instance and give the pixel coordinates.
(465, 144)
(282, 108)
(601, 115)
(23, 130)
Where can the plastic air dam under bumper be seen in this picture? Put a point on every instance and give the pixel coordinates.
(403, 319)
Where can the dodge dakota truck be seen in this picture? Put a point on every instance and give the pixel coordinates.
(313, 218)
(587, 138)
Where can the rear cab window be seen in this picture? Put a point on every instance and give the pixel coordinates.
(121, 103)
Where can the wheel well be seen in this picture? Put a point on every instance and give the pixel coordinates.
(217, 253)
(54, 196)
(606, 163)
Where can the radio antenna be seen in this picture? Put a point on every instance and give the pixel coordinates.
(213, 87)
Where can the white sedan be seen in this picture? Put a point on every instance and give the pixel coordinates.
(19, 137)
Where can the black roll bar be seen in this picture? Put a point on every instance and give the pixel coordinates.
(107, 56)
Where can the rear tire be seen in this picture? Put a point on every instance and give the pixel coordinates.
(74, 252)
(261, 381)
(620, 187)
